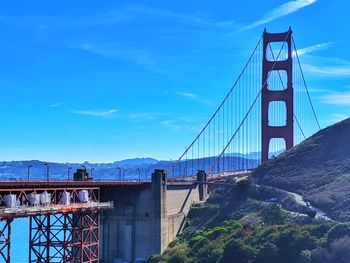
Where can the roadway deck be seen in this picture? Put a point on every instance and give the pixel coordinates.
(25, 211)
(63, 184)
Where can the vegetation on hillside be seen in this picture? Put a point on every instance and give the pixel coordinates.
(236, 225)
(318, 169)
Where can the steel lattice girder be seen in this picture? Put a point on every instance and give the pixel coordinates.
(5, 241)
(65, 238)
(86, 237)
(51, 238)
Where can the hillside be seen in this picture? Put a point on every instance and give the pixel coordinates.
(236, 225)
(318, 169)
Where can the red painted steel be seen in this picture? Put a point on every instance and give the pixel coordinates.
(86, 238)
(61, 184)
(67, 234)
(268, 96)
(5, 241)
(50, 238)
(22, 199)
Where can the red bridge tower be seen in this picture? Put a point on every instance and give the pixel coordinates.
(285, 95)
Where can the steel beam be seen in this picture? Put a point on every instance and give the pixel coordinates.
(50, 238)
(5, 241)
(86, 237)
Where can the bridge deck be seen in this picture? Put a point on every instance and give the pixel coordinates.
(63, 184)
(25, 211)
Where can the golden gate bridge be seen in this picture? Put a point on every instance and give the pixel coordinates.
(268, 109)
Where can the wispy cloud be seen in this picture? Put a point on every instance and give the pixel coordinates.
(148, 116)
(101, 114)
(314, 48)
(40, 22)
(282, 10)
(340, 70)
(188, 19)
(140, 57)
(337, 98)
(172, 124)
(326, 67)
(57, 104)
(191, 96)
(318, 90)
(339, 117)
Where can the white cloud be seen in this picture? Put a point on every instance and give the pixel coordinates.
(325, 67)
(56, 104)
(339, 99)
(171, 124)
(102, 114)
(140, 57)
(46, 22)
(327, 71)
(148, 116)
(314, 48)
(188, 19)
(318, 90)
(339, 117)
(282, 10)
(193, 97)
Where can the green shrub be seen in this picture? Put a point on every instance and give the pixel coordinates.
(338, 231)
(209, 252)
(216, 232)
(268, 254)
(243, 186)
(178, 254)
(236, 251)
(273, 214)
(196, 239)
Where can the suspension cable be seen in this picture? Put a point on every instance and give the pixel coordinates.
(218, 109)
(307, 90)
(250, 108)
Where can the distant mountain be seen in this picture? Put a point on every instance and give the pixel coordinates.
(129, 169)
(18, 170)
(318, 168)
(254, 155)
(136, 162)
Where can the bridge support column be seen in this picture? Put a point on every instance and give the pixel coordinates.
(202, 185)
(5, 241)
(86, 237)
(159, 214)
(284, 95)
(50, 238)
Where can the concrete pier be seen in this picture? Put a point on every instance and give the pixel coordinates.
(146, 217)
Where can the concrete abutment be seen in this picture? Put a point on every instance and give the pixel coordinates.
(146, 216)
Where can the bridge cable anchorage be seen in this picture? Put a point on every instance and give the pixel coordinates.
(305, 85)
(171, 169)
(284, 87)
(249, 110)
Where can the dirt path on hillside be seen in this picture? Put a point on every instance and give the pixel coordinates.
(319, 213)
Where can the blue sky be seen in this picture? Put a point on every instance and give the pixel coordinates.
(101, 81)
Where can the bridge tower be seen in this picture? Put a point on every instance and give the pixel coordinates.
(285, 94)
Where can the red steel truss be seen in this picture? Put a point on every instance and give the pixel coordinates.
(65, 238)
(5, 241)
(86, 237)
(67, 232)
(50, 238)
